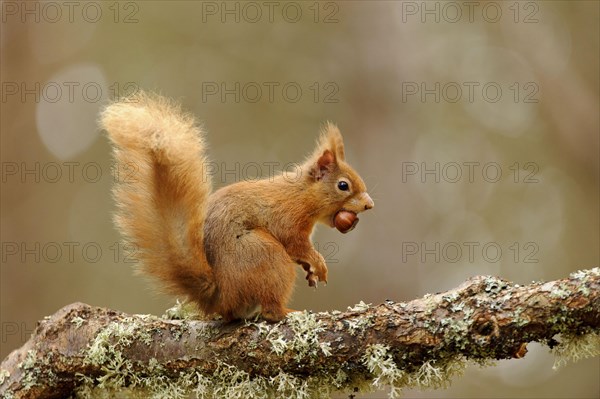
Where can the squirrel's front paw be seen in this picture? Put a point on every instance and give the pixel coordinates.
(316, 274)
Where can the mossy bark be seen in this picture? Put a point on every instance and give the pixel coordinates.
(82, 347)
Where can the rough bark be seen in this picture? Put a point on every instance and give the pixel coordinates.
(485, 318)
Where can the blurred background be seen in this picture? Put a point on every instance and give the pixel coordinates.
(474, 124)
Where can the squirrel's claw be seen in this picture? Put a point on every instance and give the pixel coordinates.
(312, 280)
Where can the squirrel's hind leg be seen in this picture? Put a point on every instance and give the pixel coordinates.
(266, 278)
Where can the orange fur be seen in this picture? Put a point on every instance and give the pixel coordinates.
(233, 252)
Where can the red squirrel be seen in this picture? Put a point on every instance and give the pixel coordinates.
(234, 251)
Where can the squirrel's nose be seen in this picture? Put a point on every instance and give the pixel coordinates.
(369, 204)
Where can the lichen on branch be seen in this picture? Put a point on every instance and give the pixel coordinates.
(94, 352)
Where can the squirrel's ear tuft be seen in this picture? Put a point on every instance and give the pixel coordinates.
(329, 151)
(331, 138)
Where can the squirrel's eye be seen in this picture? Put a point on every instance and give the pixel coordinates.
(342, 185)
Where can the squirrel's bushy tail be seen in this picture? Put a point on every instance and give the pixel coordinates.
(162, 191)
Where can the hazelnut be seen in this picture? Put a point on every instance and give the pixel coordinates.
(345, 221)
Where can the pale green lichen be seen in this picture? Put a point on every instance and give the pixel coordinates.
(384, 369)
(431, 374)
(305, 341)
(468, 312)
(4, 375)
(241, 383)
(520, 321)
(457, 307)
(494, 285)
(359, 307)
(105, 351)
(278, 342)
(263, 327)
(583, 289)
(177, 333)
(576, 347)
(122, 376)
(36, 369)
(584, 274)
(29, 361)
(272, 334)
(579, 274)
(289, 386)
(116, 371)
(435, 374)
(358, 325)
(450, 297)
(78, 321)
(183, 311)
(226, 382)
(560, 292)
(103, 348)
(306, 328)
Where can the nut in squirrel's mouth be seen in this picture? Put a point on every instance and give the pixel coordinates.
(345, 221)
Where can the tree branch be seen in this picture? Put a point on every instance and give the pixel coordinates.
(420, 343)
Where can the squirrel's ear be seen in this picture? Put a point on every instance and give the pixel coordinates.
(324, 164)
